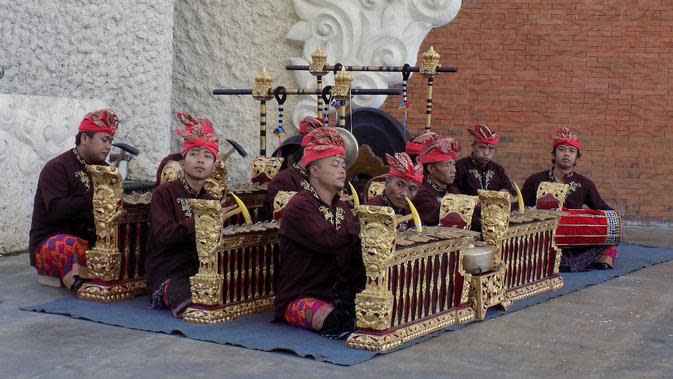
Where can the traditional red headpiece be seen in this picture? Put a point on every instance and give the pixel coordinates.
(198, 132)
(418, 144)
(401, 166)
(309, 123)
(322, 143)
(482, 134)
(444, 149)
(101, 121)
(564, 136)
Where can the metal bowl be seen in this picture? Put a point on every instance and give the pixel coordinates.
(478, 259)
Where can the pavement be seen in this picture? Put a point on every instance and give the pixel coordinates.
(622, 328)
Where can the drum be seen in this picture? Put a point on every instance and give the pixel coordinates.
(585, 227)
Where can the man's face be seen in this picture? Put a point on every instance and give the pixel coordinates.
(330, 173)
(95, 148)
(443, 172)
(565, 156)
(397, 189)
(198, 163)
(483, 152)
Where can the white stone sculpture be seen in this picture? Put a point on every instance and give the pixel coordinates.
(364, 32)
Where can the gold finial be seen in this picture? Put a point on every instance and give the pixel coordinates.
(318, 62)
(342, 85)
(430, 62)
(263, 88)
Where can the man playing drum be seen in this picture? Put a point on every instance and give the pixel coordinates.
(566, 151)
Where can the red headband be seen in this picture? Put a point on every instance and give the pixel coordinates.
(101, 121)
(444, 149)
(418, 144)
(482, 134)
(322, 143)
(564, 136)
(198, 132)
(401, 166)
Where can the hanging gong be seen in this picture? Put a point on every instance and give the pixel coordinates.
(351, 146)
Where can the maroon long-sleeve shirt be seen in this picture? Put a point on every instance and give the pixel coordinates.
(172, 250)
(582, 190)
(428, 201)
(63, 202)
(319, 252)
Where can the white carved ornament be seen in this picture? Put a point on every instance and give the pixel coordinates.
(364, 32)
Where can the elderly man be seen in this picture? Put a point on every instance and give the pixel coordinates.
(320, 267)
(171, 257)
(566, 150)
(294, 177)
(62, 227)
(404, 180)
(438, 161)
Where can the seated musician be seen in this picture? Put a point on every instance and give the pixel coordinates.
(171, 257)
(582, 192)
(62, 227)
(479, 171)
(416, 146)
(320, 265)
(404, 180)
(292, 178)
(438, 161)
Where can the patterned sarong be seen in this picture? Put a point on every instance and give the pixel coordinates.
(62, 256)
(308, 313)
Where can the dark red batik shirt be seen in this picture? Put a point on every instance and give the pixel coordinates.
(428, 200)
(582, 190)
(471, 177)
(63, 202)
(319, 252)
(172, 248)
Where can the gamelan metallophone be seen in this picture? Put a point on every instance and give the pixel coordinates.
(116, 262)
(414, 282)
(236, 266)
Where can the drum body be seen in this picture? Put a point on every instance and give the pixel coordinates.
(588, 227)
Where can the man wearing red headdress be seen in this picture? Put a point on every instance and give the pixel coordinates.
(404, 180)
(415, 147)
(479, 171)
(62, 227)
(438, 161)
(320, 267)
(294, 177)
(566, 150)
(171, 257)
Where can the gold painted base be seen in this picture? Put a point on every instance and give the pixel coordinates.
(551, 283)
(200, 314)
(393, 338)
(107, 292)
(488, 290)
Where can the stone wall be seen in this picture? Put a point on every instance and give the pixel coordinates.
(64, 59)
(226, 44)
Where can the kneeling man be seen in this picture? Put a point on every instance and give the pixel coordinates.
(320, 267)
